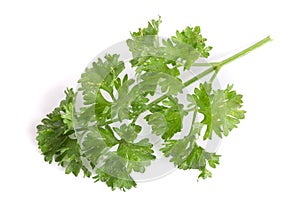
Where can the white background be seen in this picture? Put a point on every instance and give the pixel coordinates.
(44, 47)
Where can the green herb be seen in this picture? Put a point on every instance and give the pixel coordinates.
(56, 138)
(96, 130)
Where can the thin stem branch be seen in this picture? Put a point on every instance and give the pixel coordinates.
(205, 64)
(199, 76)
(213, 77)
(217, 66)
(245, 51)
(193, 120)
(156, 101)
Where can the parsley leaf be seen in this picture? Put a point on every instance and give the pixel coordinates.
(114, 173)
(56, 138)
(116, 166)
(172, 114)
(186, 47)
(152, 28)
(138, 155)
(151, 54)
(158, 122)
(150, 81)
(221, 109)
(102, 75)
(186, 154)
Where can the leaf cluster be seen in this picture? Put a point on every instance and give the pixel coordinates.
(101, 138)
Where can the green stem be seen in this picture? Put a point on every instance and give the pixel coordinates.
(205, 64)
(199, 76)
(193, 120)
(156, 101)
(217, 66)
(211, 80)
(245, 51)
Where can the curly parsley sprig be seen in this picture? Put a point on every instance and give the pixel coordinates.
(96, 129)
